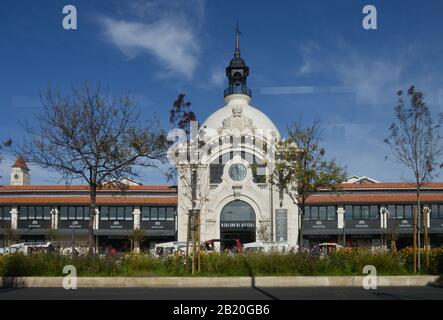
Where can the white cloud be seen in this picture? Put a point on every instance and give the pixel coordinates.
(173, 45)
(306, 52)
(217, 77)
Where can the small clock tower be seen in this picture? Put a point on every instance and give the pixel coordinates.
(20, 173)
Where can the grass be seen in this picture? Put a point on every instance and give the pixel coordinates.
(345, 262)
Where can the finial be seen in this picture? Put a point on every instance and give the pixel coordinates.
(237, 43)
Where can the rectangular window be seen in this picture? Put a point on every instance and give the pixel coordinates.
(63, 213)
(322, 213)
(145, 213)
(39, 213)
(391, 209)
(162, 213)
(399, 214)
(332, 213)
(357, 212)
(104, 213)
(31, 213)
(112, 213)
(120, 213)
(373, 212)
(170, 213)
(5, 213)
(408, 212)
(86, 213)
(154, 213)
(314, 213)
(348, 213)
(129, 213)
(47, 213)
(71, 213)
(365, 212)
(434, 211)
(307, 213)
(440, 212)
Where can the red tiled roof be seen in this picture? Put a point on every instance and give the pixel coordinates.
(85, 200)
(20, 163)
(389, 185)
(372, 198)
(84, 188)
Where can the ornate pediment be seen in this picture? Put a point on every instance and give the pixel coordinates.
(237, 121)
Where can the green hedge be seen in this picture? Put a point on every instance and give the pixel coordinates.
(347, 262)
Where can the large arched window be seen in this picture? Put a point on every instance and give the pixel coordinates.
(237, 210)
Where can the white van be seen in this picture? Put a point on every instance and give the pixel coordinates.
(266, 246)
(30, 247)
(169, 248)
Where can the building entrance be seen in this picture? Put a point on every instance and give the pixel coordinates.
(237, 221)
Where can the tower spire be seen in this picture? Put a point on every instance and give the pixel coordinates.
(237, 41)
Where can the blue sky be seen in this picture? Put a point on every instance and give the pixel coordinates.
(309, 58)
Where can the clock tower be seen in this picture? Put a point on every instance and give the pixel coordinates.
(20, 173)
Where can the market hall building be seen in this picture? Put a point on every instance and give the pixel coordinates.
(236, 199)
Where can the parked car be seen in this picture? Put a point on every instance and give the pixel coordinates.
(266, 246)
(31, 247)
(169, 248)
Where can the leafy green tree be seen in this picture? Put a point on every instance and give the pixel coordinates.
(301, 169)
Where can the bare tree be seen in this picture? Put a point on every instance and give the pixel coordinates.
(415, 141)
(94, 138)
(190, 172)
(300, 168)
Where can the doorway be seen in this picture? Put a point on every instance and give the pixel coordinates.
(237, 221)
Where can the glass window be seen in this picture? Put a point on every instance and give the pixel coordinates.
(434, 211)
(145, 213)
(365, 212)
(120, 213)
(129, 213)
(5, 213)
(373, 212)
(307, 213)
(47, 213)
(104, 213)
(39, 213)
(357, 212)
(314, 213)
(154, 213)
(348, 212)
(86, 212)
(112, 213)
(31, 213)
(332, 212)
(408, 212)
(322, 213)
(399, 214)
(440, 212)
(162, 213)
(63, 213)
(391, 209)
(71, 213)
(170, 213)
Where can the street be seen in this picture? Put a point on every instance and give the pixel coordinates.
(318, 293)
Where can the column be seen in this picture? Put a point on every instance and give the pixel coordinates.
(54, 222)
(14, 218)
(136, 214)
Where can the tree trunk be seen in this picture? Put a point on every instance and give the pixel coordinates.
(300, 227)
(414, 240)
(92, 214)
(418, 230)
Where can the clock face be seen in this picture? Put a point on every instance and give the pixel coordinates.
(16, 176)
(237, 172)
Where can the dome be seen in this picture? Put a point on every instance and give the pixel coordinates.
(259, 119)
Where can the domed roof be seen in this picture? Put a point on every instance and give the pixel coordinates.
(259, 119)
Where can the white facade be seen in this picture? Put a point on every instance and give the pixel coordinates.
(237, 133)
